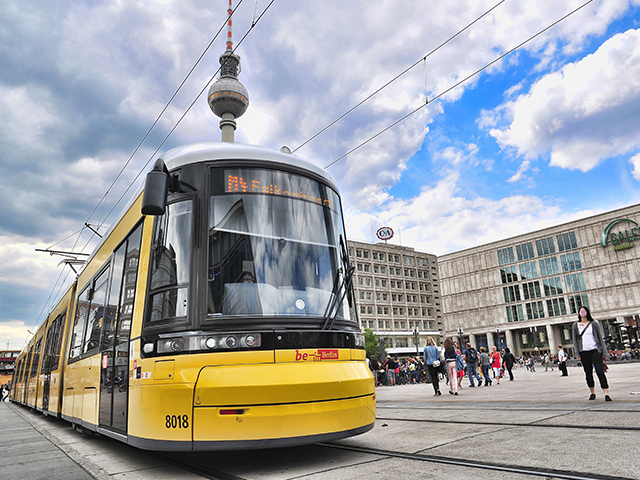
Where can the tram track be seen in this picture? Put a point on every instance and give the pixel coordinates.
(536, 424)
(459, 462)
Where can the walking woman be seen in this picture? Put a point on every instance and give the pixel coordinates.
(432, 359)
(588, 342)
(450, 355)
(495, 363)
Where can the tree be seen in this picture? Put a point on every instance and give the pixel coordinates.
(371, 343)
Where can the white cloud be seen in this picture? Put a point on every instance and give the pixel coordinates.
(635, 161)
(584, 113)
(440, 220)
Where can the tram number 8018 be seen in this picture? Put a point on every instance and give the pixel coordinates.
(177, 421)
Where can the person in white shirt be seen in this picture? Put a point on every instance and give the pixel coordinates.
(562, 361)
(591, 350)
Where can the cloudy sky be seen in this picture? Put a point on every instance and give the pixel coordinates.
(548, 134)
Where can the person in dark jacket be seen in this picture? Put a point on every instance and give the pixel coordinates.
(507, 361)
(591, 350)
(432, 359)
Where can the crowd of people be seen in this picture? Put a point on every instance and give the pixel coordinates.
(435, 367)
(451, 364)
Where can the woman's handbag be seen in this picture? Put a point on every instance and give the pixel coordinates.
(435, 363)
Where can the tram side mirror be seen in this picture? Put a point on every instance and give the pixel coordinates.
(156, 188)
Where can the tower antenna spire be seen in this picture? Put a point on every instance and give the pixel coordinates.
(229, 25)
(228, 98)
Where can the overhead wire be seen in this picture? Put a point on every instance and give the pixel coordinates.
(406, 70)
(459, 83)
(102, 200)
(254, 23)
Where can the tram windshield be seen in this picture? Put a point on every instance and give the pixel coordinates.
(274, 246)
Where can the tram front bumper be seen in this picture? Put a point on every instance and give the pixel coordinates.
(281, 404)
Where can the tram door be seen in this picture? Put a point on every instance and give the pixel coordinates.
(51, 359)
(116, 329)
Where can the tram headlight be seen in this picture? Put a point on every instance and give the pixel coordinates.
(231, 342)
(176, 345)
(251, 340)
(359, 340)
(210, 343)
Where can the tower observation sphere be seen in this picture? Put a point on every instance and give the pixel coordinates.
(228, 94)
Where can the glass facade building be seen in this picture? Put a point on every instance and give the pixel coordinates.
(525, 292)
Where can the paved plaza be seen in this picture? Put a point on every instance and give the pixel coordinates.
(539, 421)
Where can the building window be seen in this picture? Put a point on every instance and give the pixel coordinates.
(570, 262)
(506, 256)
(524, 251)
(567, 241)
(531, 290)
(511, 294)
(577, 301)
(552, 286)
(556, 307)
(359, 253)
(575, 282)
(509, 274)
(515, 313)
(534, 310)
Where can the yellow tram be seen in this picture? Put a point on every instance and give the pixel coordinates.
(222, 319)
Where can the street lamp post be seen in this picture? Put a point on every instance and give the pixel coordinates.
(416, 339)
(498, 334)
(460, 333)
(534, 330)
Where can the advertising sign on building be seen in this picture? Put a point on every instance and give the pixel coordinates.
(618, 238)
(385, 233)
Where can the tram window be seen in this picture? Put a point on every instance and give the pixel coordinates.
(36, 358)
(96, 313)
(57, 346)
(170, 266)
(284, 237)
(82, 311)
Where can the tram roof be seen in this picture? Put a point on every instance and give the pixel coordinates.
(211, 151)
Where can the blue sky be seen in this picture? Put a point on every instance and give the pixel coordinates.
(548, 135)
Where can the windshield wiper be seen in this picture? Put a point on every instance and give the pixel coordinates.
(340, 288)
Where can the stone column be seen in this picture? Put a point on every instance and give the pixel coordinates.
(508, 336)
(551, 336)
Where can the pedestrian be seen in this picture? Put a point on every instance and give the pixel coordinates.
(562, 361)
(432, 359)
(471, 357)
(591, 350)
(390, 367)
(459, 365)
(374, 366)
(484, 365)
(450, 360)
(546, 362)
(495, 363)
(508, 361)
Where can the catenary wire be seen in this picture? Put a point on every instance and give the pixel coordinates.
(185, 113)
(424, 58)
(444, 92)
(79, 232)
(162, 113)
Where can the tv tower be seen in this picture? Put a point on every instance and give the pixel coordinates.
(228, 98)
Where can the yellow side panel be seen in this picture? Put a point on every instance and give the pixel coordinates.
(153, 407)
(284, 421)
(90, 405)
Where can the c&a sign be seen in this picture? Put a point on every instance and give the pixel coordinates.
(618, 238)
